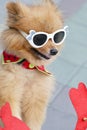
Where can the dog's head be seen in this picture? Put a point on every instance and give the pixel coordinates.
(44, 17)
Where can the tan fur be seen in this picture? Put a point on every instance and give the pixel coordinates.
(27, 91)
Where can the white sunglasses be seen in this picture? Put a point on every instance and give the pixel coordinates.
(39, 39)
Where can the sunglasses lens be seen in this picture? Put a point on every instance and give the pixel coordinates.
(58, 37)
(39, 39)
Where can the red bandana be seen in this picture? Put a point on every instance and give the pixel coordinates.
(9, 58)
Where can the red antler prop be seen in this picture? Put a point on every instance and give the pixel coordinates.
(79, 100)
(11, 122)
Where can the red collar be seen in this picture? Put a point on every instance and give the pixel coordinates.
(9, 58)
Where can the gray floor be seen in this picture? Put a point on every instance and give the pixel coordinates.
(70, 68)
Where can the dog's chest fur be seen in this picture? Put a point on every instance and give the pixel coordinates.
(25, 86)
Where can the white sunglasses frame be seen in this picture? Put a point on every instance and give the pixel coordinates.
(32, 33)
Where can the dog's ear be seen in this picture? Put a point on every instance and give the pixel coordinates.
(16, 11)
(13, 8)
(50, 2)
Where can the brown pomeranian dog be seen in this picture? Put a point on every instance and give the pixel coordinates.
(33, 39)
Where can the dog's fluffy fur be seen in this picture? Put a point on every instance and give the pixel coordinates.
(28, 92)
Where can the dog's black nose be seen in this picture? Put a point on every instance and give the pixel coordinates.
(53, 51)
